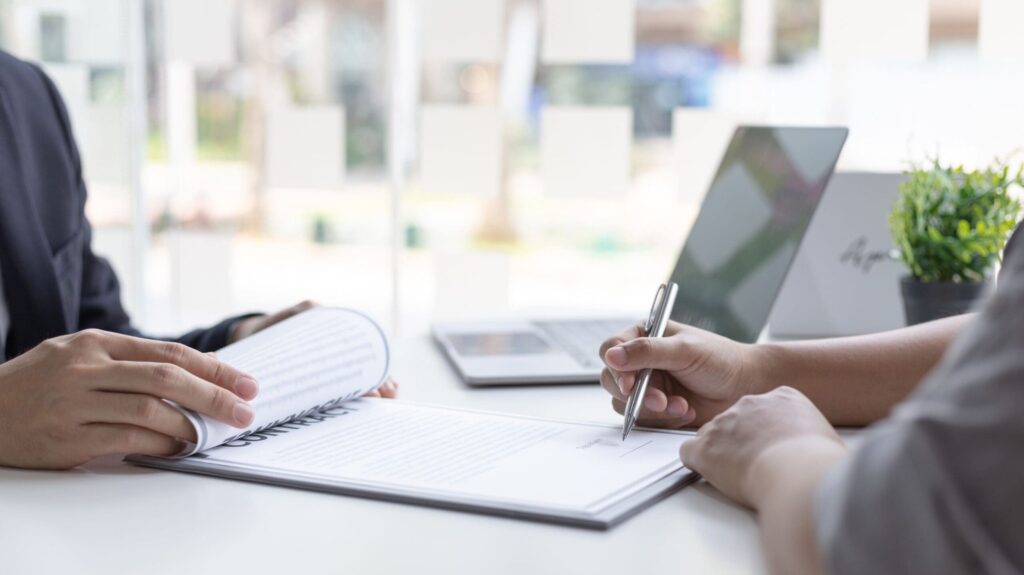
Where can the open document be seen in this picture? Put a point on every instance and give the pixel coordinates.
(576, 473)
(319, 358)
(311, 431)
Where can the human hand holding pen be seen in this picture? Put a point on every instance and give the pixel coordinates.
(697, 374)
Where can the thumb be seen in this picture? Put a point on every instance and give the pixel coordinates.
(688, 453)
(646, 352)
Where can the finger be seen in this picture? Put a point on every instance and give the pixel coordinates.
(124, 348)
(630, 333)
(374, 393)
(139, 410)
(677, 406)
(646, 352)
(167, 381)
(287, 313)
(626, 381)
(655, 400)
(110, 438)
(389, 390)
(661, 420)
(611, 386)
(688, 453)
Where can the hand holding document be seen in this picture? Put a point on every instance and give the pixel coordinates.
(312, 431)
(316, 359)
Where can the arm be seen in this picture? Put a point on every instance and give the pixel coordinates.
(770, 452)
(857, 380)
(929, 490)
(789, 477)
(100, 294)
(853, 380)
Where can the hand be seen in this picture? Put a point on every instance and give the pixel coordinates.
(246, 327)
(698, 374)
(744, 449)
(243, 328)
(388, 391)
(93, 393)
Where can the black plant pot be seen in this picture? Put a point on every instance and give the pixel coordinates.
(925, 301)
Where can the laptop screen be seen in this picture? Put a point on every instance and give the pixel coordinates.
(750, 225)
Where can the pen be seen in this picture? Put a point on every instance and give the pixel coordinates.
(657, 321)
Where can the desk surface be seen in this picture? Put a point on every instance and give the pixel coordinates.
(112, 518)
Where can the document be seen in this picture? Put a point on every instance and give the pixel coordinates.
(313, 430)
(319, 358)
(567, 472)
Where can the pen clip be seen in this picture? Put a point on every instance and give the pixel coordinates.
(656, 306)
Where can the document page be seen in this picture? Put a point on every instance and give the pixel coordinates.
(455, 455)
(313, 360)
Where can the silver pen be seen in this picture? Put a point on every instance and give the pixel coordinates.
(657, 321)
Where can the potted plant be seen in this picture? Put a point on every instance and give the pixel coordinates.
(950, 226)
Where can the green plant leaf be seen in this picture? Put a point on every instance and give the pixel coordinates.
(950, 224)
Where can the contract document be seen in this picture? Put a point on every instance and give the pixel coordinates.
(312, 431)
(565, 472)
(319, 358)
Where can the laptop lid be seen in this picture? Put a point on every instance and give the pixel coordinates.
(749, 228)
(843, 281)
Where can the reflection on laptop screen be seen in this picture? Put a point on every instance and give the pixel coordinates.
(750, 226)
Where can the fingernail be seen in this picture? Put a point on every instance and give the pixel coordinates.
(243, 414)
(246, 387)
(676, 410)
(618, 382)
(617, 355)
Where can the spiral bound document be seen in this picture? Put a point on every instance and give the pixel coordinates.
(311, 434)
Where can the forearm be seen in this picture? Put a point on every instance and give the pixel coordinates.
(857, 380)
(785, 480)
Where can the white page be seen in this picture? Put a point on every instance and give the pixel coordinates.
(580, 32)
(312, 360)
(97, 33)
(201, 32)
(586, 151)
(461, 31)
(460, 455)
(999, 37)
(306, 147)
(461, 150)
(878, 30)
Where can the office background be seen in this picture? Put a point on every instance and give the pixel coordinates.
(441, 159)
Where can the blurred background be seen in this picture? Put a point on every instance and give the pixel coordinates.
(442, 159)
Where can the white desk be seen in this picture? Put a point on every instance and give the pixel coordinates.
(113, 518)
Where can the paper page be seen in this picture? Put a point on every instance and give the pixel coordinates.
(876, 30)
(460, 31)
(306, 147)
(586, 150)
(575, 32)
(313, 360)
(459, 455)
(461, 150)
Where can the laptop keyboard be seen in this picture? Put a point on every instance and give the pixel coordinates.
(582, 339)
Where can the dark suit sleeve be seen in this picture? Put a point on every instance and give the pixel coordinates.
(101, 306)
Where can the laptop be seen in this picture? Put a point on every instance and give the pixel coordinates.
(729, 272)
(843, 281)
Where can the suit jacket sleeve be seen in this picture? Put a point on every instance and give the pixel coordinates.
(101, 306)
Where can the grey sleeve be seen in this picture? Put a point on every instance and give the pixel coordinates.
(938, 487)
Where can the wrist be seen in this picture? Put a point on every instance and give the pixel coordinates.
(797, 462)
(759, 369)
